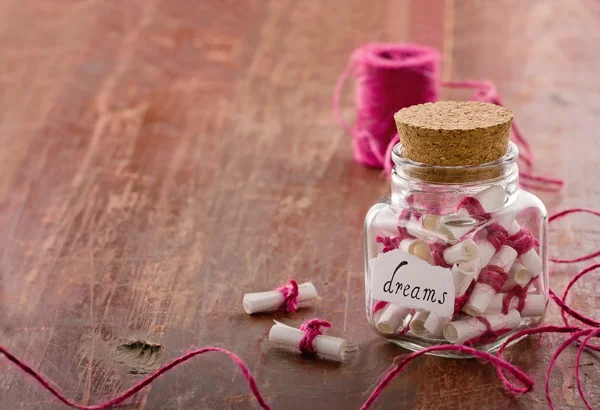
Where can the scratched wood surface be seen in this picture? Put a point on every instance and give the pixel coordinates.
(160, 158)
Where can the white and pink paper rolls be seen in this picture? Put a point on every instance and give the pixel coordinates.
(390, 319)
(462, 330)
(290, 336)
(462, 251)
(483, 292)
(272, 299)
(534, 304)
(418, 322)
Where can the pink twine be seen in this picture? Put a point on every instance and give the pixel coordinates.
(311, 329)
(473, 207)
(411, 69)
(290, 297)
(389, 243)
(489, 335)
(437, 252)
(494, 276)
(460, 301)
(390, 77)
(522, 241)
(499, 363)
(139, 386)
(497, 235)
(518, 292)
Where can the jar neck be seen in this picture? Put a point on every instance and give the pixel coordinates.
(443, 187)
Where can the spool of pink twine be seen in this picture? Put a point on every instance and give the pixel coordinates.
(388, 77)
(391, 76)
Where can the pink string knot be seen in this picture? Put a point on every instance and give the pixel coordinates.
(290, 297)
(518, 292)
(460, 301)
(389, 242)
(497, 235)
(522, 241)
(494, 276)
(311, 329)
(437, 252)
(473, 207)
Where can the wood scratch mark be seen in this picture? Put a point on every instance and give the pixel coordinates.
(88, 390)
(124, 59)
(346, 303)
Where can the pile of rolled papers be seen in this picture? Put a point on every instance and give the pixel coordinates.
(494, 265)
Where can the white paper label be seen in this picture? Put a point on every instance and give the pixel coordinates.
(408, 281)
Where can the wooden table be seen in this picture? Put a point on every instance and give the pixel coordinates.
(160, 158)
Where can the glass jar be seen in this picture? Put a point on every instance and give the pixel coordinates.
(455, 255)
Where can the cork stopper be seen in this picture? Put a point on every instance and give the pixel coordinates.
(454, 133)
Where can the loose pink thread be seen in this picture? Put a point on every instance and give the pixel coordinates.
(290, 297)
(311, 329)
(139, 386)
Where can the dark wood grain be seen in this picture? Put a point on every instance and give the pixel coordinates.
(160, 158)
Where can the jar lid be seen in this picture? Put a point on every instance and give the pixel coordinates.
(454, 133)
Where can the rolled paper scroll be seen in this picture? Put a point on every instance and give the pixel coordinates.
(492, 198)
(290, 336)
(462, 251)
(273, 299)
(462, 330)
(486, 252)
(535, 305)
(483, 292)
(418, 248)
(457, 225)
(507, 218)
(529, 259)
(386, 222)
(532, 262)
(418, 322)
(430, 222)
(420, 229)
(462, 276)
(435, 324)
(427, 228)
(519, 274)
(390, 319)
(508, 285)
